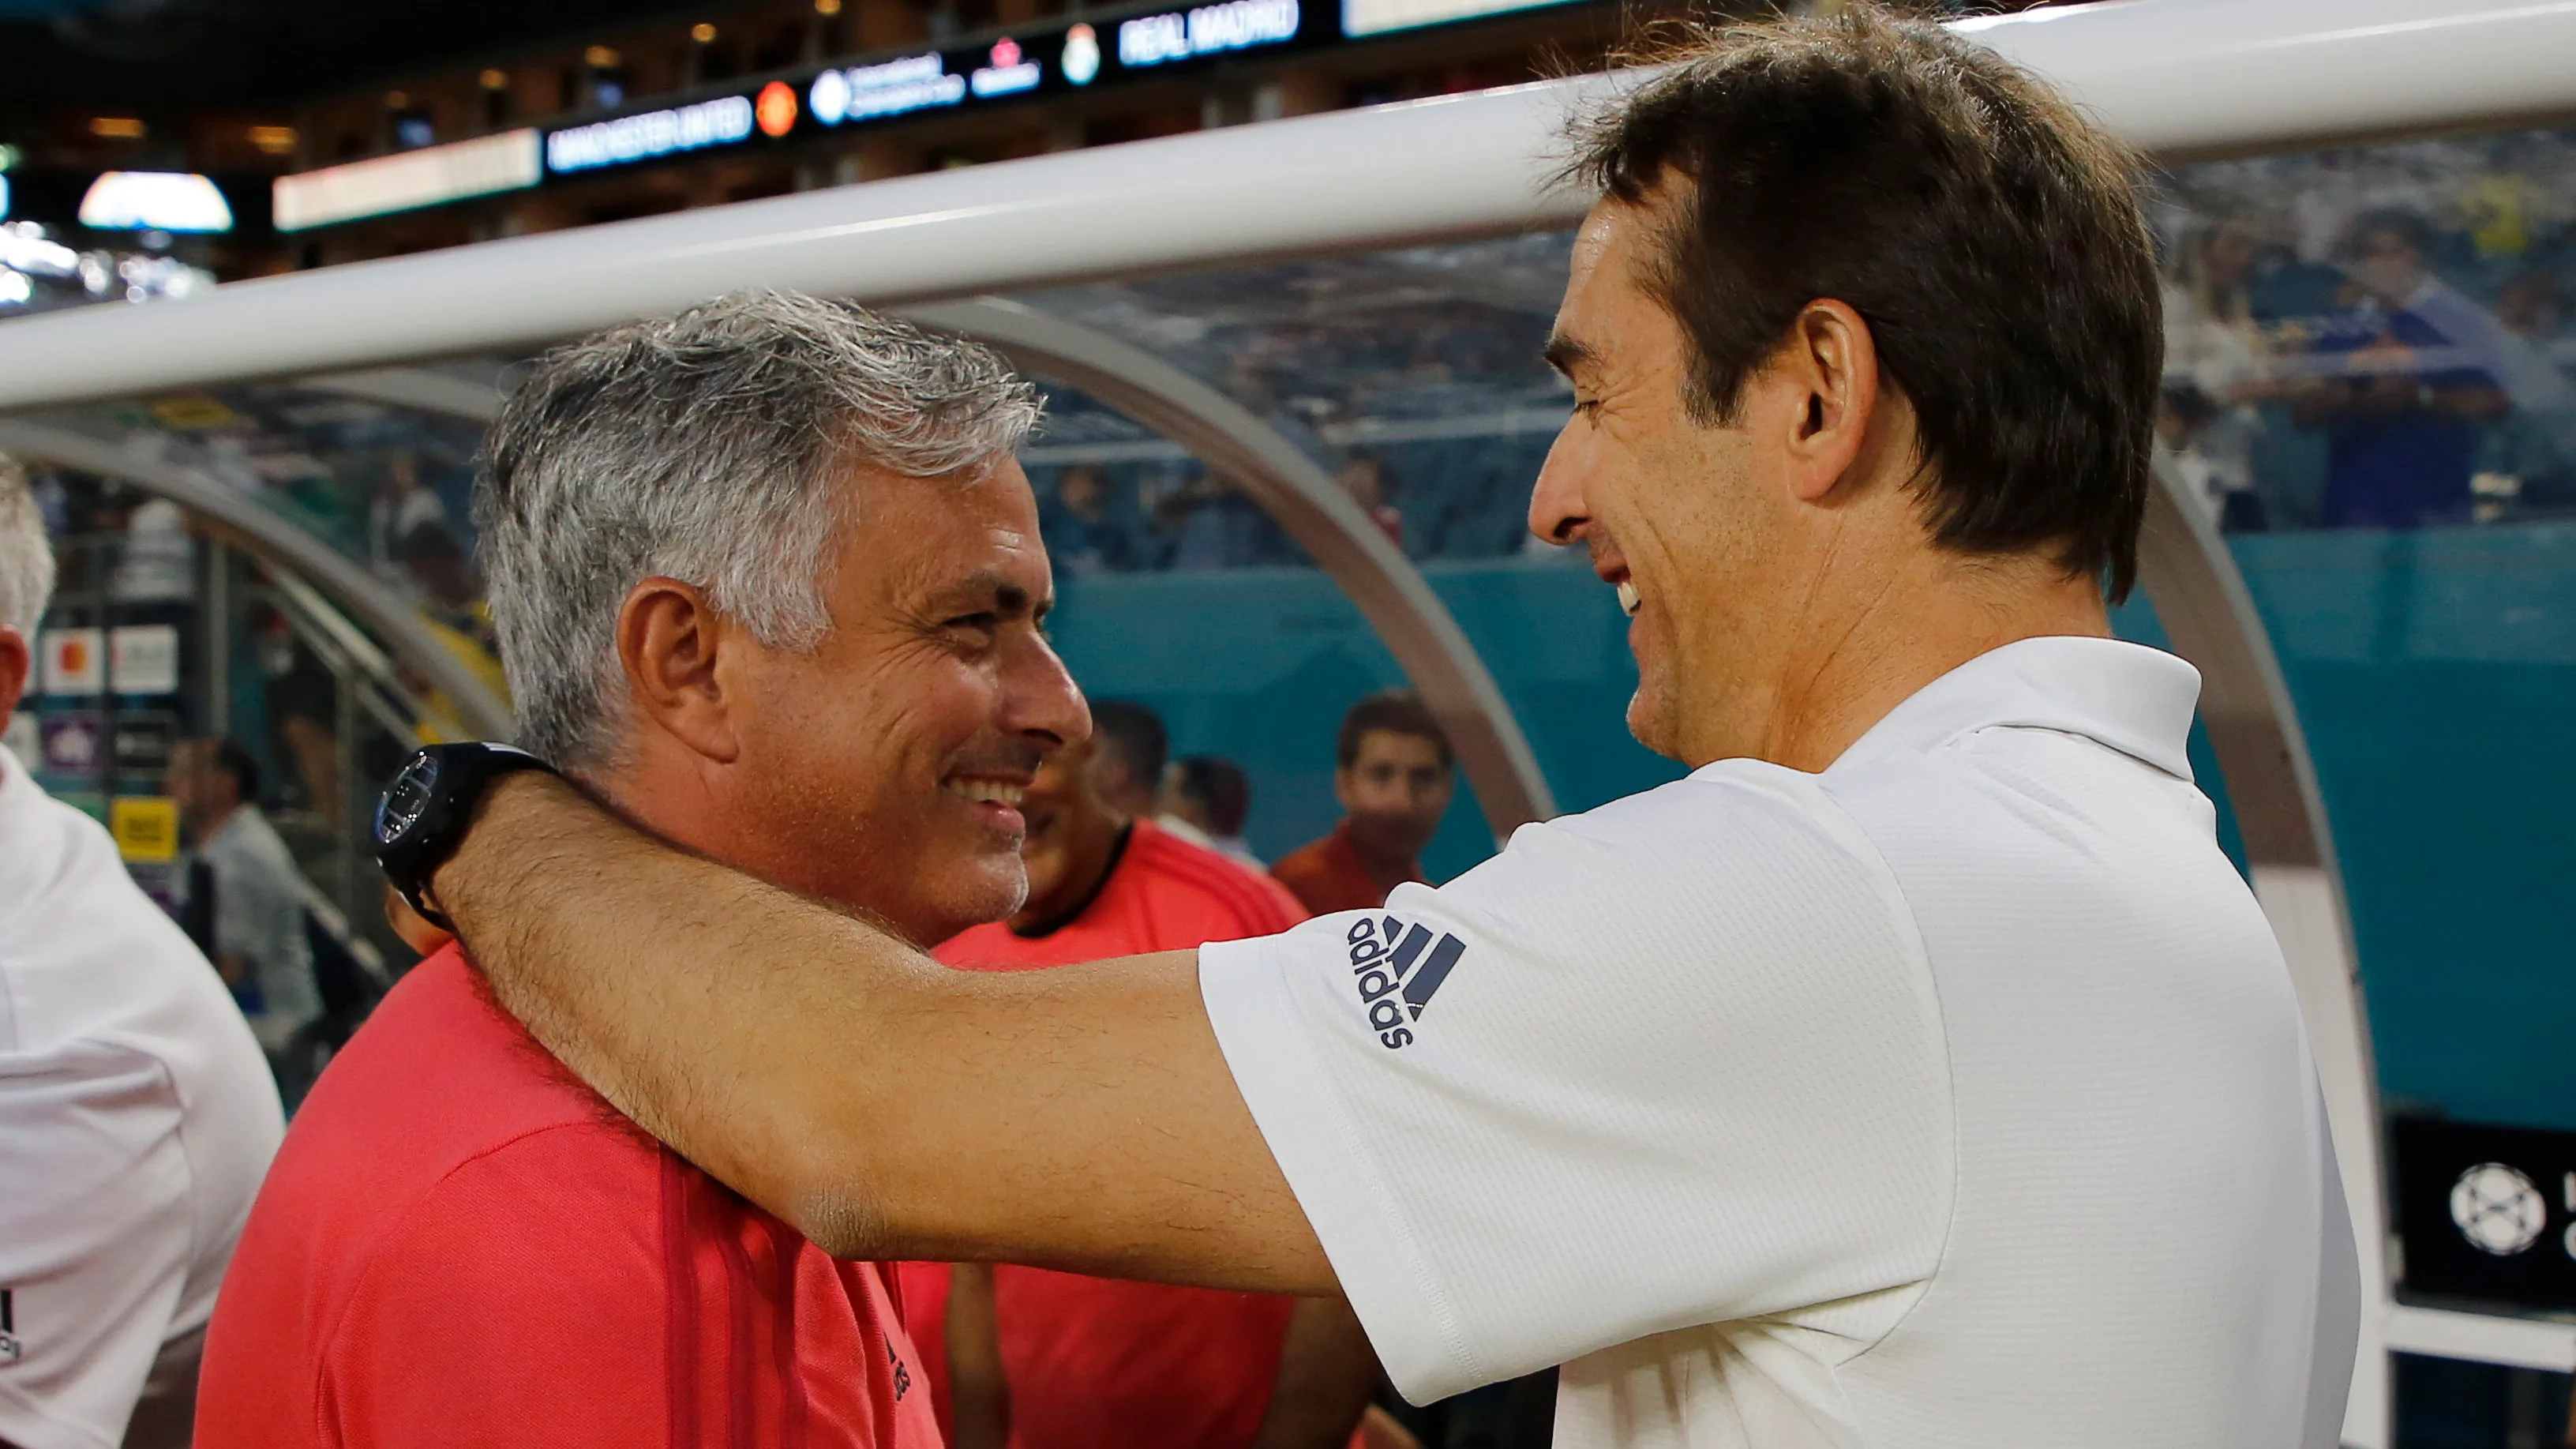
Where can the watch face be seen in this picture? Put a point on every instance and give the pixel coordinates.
(405, 799)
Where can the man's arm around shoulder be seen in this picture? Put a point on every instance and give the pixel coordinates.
(888, 1107)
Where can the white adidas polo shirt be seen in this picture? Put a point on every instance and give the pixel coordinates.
(1954, 1096)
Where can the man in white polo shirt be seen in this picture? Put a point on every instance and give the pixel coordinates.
(136, 1115)
(1916, 1072)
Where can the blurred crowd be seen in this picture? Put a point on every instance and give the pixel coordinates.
(2382, 342)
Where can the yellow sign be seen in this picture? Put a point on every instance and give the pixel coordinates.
(146, 828)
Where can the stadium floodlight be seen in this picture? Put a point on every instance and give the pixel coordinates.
(155, 201)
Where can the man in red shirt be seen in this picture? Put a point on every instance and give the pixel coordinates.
(463, 1245)
(1049, 1360)
(1393, 776)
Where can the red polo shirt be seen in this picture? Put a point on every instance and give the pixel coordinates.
(1328, 875)
(463, 1245)
(1095, 1363)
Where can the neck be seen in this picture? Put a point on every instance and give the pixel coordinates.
(1386, 868)
(217, 818)
(1091, 847)
(1847, 670)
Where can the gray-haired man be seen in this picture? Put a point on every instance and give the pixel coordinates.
(767, 577)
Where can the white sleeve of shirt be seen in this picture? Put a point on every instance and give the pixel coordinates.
(94, 1246)
(1676, 1061)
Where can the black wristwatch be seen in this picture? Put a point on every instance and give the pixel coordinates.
(425, 810)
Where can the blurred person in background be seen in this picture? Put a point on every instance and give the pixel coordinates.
(1213, 797)
(400, 506)
(1047, 1360)
(1082, 537)
(2217, 368)
(688, 522)
(1394, 778)
(239, 878)
(135, 1114)
(1129, 745)
(459, 618)
(2417, 375)
(2196, 445)
(1363, 476)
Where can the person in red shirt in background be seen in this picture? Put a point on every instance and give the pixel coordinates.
(460, 1243)
(1046, 1360)
(1394, 778)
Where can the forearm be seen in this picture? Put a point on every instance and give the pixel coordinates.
(1326, 1371)
(884, 1105)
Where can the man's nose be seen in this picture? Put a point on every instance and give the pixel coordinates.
(1558, 512)
(1039, 696)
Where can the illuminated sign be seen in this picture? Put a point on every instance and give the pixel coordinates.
(155, 201)
(719, 122)
(1150, 40)
(479, 167)
(1081, 60)
(1007, 73)
(776, 108)
(893, 88)
(1381, 17)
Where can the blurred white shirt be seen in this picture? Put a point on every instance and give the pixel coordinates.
(136, 1120)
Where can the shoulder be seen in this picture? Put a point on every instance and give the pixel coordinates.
(1739, 820)
(365, 1246)
(1307, 859)
(1741, 872)
(439, 1094)
(85, 956)
(1173, 869)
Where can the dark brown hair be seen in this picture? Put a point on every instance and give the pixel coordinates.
(1395, 713)
(1989, 236)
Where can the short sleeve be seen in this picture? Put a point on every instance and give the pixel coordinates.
(1677, 1061)
(95, 1239)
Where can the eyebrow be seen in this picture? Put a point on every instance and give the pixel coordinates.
(1009, 599)
(1565, 354)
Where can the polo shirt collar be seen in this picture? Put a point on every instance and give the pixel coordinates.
(2134, 699)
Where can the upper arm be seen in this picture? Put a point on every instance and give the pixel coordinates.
(1634, 1074)
(95, 1238)
(516, 1304)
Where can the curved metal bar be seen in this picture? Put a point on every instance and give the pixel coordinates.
(1294, 489)
(2253, 725)
(281, 545)
(2172, 77)
(416, 388)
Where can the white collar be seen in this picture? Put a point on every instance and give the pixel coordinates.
(2134, 699)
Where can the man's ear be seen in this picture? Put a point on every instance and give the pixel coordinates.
(668, 640)
(1826, 375)
(17, 661)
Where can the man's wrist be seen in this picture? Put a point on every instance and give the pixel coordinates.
(513, 797)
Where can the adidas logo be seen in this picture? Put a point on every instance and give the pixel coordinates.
(1396, 967)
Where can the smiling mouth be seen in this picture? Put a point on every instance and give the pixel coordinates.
(987, 792)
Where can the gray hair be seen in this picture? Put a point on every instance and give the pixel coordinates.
(708, 447)
(26, 558)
